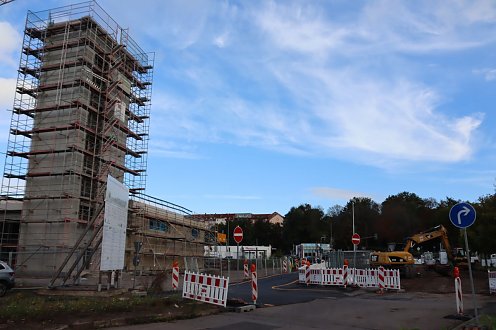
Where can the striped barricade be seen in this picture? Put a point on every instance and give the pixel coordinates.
(360, 277)
(245, 269)
(458, 296)
(372, 278)
(392, 279)
(254, 283)
(301, 274)
(364, 278)
(332, 276)
(175, 275)
(315, 276)
(207, 288)
(345, 275)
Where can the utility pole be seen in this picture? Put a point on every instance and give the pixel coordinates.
(354, 246)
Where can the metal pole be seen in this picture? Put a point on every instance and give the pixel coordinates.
(354, 245)
(330, 240)
(474, 299)
(265, 262)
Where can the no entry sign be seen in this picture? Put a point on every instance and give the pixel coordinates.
(238, 234)
(355, 239)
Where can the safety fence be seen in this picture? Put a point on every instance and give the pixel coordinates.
(364, 278)
(225, 267)
(357, 259)
(207, 288)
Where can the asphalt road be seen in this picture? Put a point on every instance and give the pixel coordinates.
(301, 307)
(282, 290)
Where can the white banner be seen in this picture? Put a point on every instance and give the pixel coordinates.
(114, 226)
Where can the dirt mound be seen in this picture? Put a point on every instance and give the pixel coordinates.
(441, 281)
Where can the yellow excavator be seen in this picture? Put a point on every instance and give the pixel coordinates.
(404, 260)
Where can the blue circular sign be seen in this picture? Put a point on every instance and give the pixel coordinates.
(462, 215)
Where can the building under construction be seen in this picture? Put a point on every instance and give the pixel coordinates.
(81, 113)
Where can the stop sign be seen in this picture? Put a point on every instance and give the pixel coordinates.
(355, 239)
(238, 234)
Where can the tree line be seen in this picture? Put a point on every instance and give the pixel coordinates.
(396, 218)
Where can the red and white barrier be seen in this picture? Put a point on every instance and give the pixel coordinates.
(380, 279)
(245, 269)
(175, 275)
(345, 275)
(332, 276)
(392, 279)
(492, 281)
(284, 266)
(459, 295)
(254, 284)
(207, 288)
(364, 278)
(307, 274)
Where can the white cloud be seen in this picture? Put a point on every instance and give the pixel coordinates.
(7, 92)
(7, 89)
(222, 40)
(10, 41)
(488, 74)
(172, 150)
(299, 79)
(335, 193)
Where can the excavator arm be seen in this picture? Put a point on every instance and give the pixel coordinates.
(430, 234)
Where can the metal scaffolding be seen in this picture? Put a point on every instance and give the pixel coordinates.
(81, 111)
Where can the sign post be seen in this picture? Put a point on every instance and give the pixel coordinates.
(355, 239)
(462, 215)
(238, 237)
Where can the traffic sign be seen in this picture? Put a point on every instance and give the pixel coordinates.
(355, 239)
(238, 234)
(462, 215)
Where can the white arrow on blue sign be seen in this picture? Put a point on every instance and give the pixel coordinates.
(462, 215)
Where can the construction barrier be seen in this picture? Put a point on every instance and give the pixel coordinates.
(284, 266)
(332, 276)
(254, 284)
(381, 279)
(492, 281)
(392, 279)
(245, 269)
(345, 275)
(364, 278)
(458, 296)
(207, 288)
(175, 275)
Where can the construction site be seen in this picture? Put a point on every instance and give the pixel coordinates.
(81, 116)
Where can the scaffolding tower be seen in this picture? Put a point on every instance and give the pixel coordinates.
(81, 112)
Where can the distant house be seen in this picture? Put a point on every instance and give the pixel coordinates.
(222, 218)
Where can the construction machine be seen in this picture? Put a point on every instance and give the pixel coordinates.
(404, 260)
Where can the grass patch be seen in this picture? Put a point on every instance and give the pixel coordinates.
(27, 305)
(488, 321)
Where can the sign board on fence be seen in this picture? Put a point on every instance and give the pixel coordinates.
(114, 225)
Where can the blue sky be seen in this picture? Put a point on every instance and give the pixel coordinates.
(259, 106)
